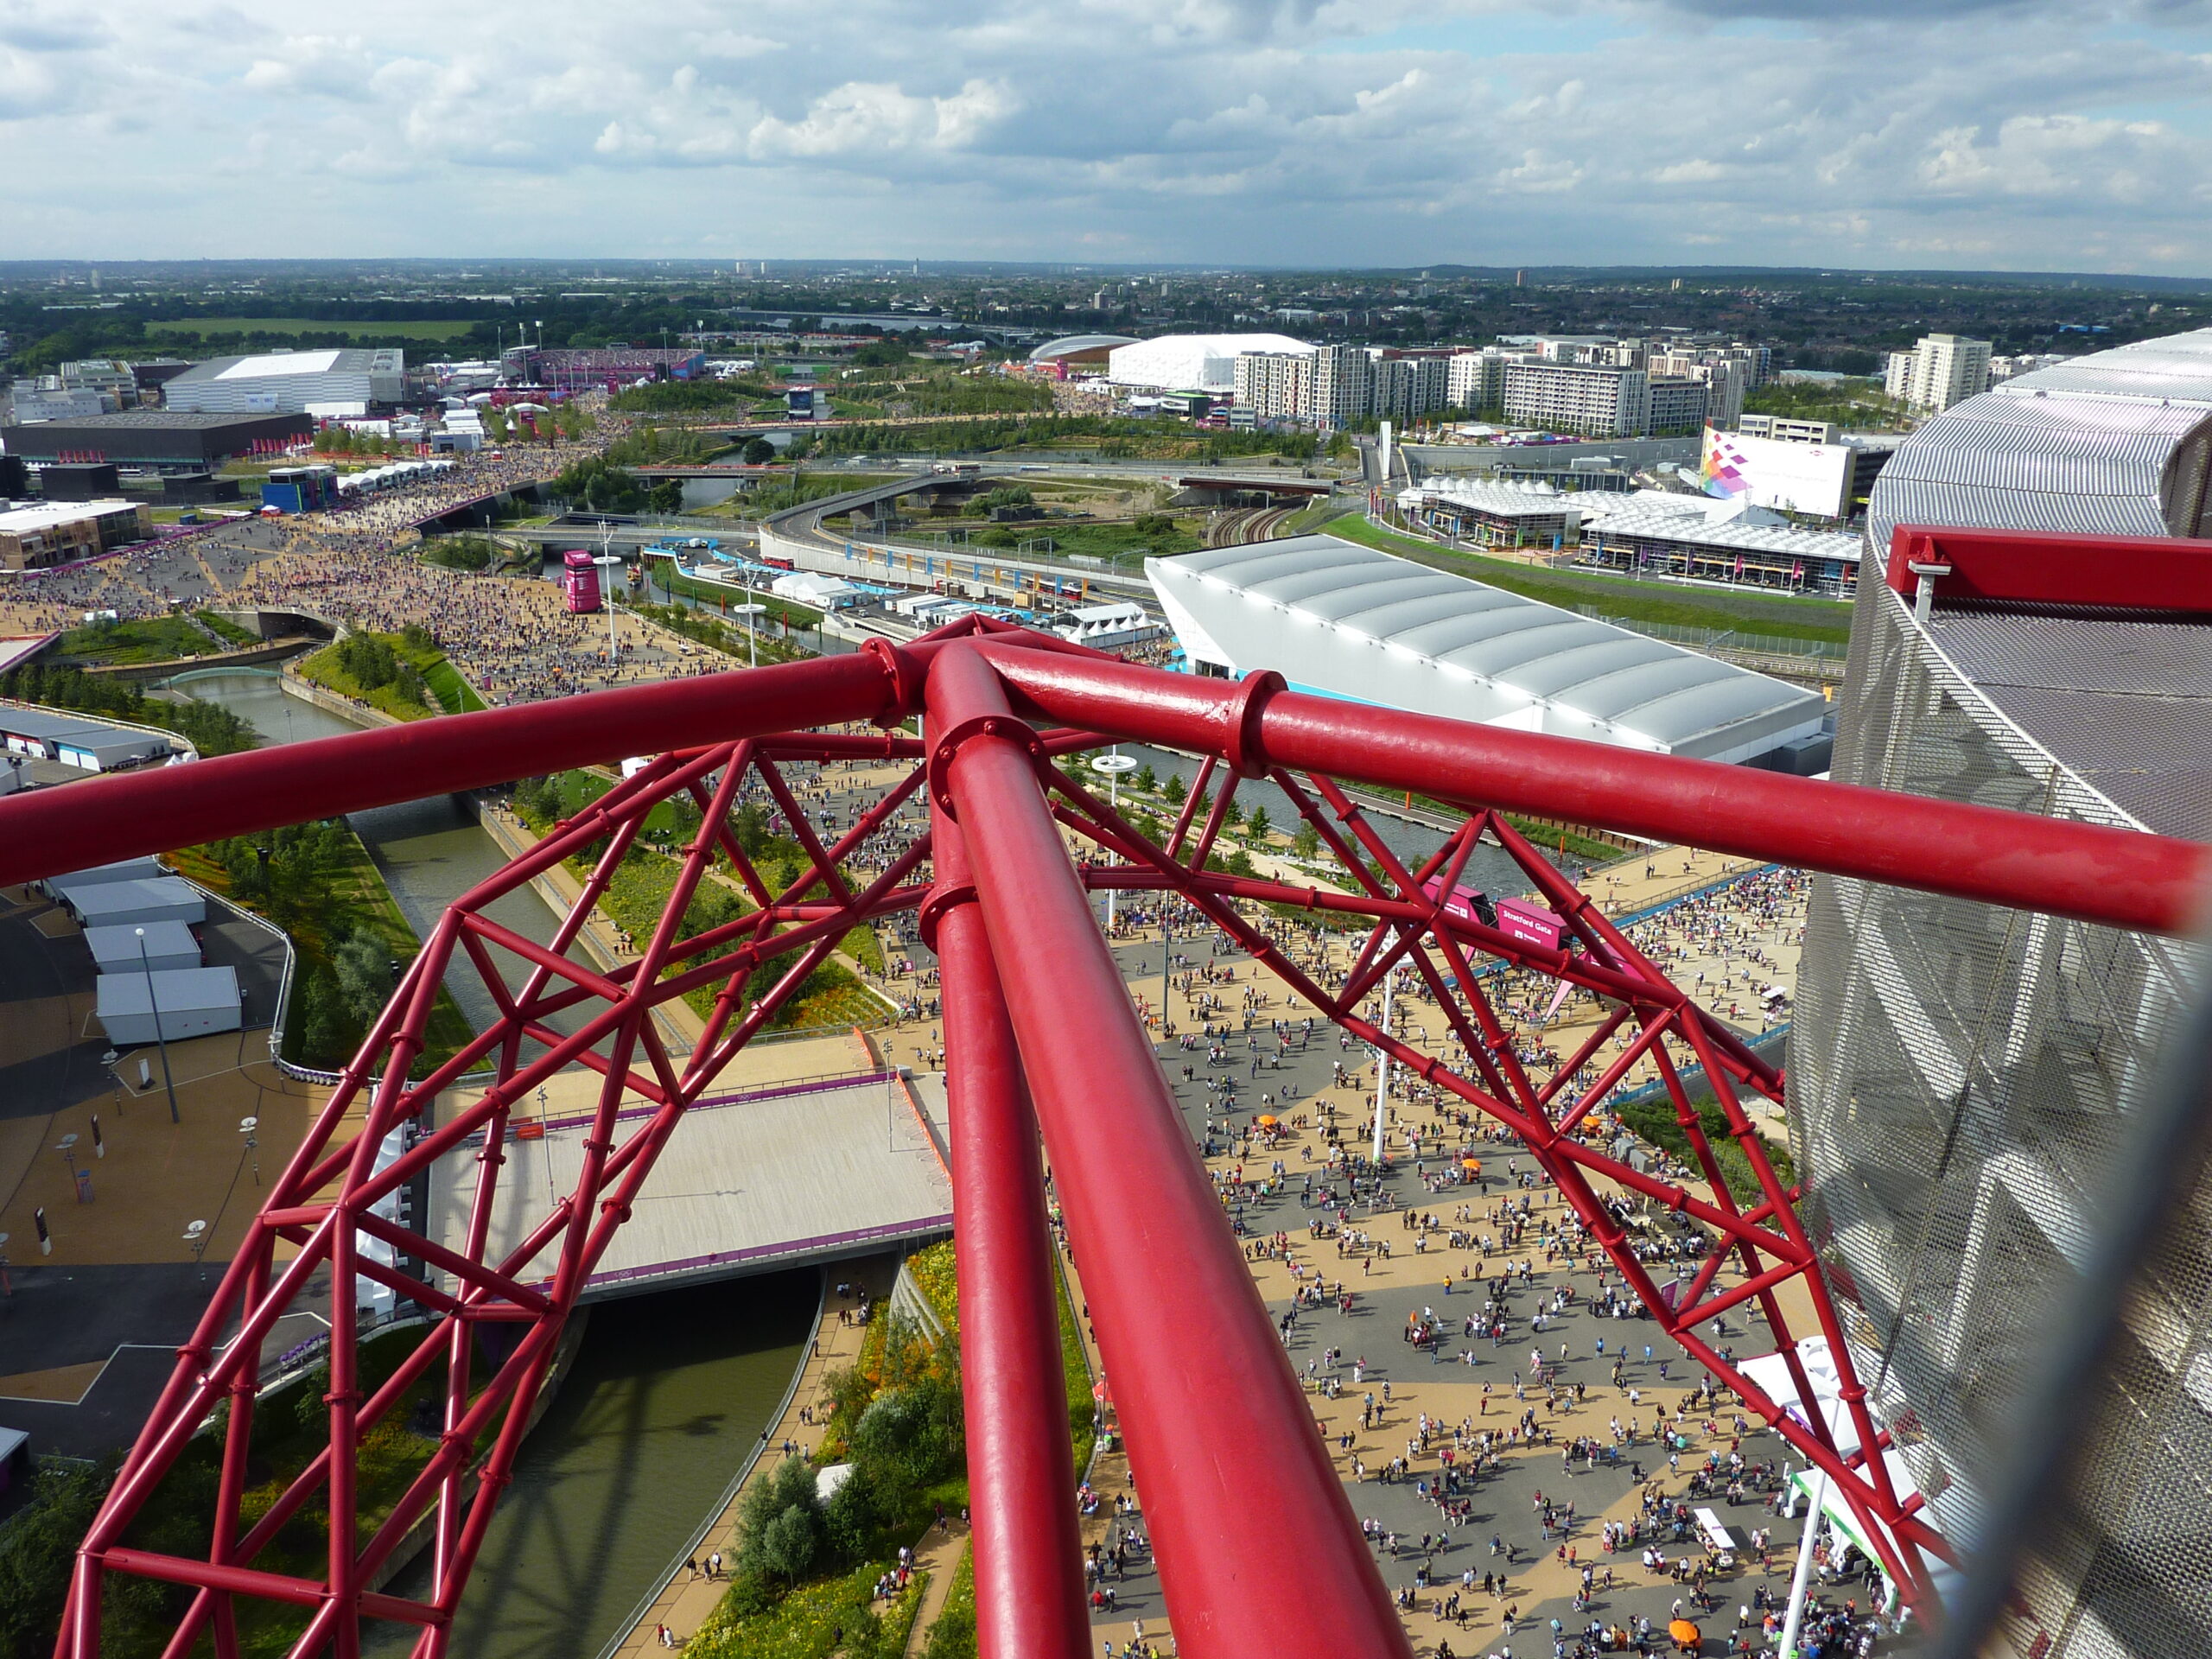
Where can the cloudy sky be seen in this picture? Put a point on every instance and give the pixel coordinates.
(2053, 135)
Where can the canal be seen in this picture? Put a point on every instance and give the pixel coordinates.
(667, 1398)
(668, 1394)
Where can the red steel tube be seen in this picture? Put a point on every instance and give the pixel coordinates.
(1029, 1586)
(2117, 878)
(1221, 1438)
(104, 819)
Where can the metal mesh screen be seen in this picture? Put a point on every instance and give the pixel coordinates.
(1961, 1077)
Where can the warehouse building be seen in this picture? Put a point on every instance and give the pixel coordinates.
(326, 383)
(1191, 362)
(159, 438)
(76, 739)
(1342, 620)
(1698, 538)
(1493, 514)
(38, 536)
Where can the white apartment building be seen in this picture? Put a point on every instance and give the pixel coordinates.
(1476, 379)
(1597, 400)
(1405, 388)
(1342, 386)
(1725, 376)
(1941, 370)
(1275, 385)
(1679, 403)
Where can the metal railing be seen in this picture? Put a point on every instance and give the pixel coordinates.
(1764, 645)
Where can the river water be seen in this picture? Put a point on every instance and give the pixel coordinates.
(668, 1396)
(669, 1393)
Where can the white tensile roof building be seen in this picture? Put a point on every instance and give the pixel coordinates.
(1346, 621)
(1191, 362)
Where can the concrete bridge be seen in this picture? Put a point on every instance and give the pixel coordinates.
(790, 1174)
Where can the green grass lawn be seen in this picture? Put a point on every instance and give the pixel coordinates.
(156, 639)
(1678, 605)
(454, 694)
(199, 326)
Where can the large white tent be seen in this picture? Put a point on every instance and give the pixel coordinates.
(1347, 621)
(1191, 362)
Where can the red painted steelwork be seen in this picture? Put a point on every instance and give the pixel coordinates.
(1217, 1427)
(1219, 1432)
(2049, 567)
(1028, 1561)
(2116, 877)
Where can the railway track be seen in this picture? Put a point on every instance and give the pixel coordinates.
(1245, 524)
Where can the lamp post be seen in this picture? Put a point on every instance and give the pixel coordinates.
(162, 1042)
(750, 612)
(196, 1234)
(246, 1127)
(1382, 1074)
(606, 560)
(1111, 766)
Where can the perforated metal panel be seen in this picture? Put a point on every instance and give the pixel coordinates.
(1961, 1076)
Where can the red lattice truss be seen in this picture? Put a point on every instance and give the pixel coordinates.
(1042, 1036)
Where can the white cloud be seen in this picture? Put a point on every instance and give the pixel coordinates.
(1322, 131)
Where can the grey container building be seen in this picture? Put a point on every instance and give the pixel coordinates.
(167, 945)
(192, 1002)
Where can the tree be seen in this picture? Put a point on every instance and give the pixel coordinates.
(1306, 843)
(779, 1522)
(1174, 789)
(758, 452)
(362, 967)
(1256, 825)
(1142, 779)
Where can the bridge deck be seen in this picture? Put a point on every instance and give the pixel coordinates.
(771, 1177)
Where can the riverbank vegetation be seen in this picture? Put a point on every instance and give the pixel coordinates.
(317, 882)
(807, 1569)
(832, 996)
(405, 674)
(209, 728)
(290, 1429)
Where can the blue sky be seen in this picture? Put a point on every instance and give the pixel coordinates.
(1918, 133)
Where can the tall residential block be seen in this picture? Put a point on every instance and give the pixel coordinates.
(1941, 370)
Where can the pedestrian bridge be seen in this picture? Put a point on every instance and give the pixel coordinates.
(789, 1175)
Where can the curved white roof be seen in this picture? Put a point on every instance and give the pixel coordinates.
(1346, 621)
(2114, 443)
(1191, 362)
(1071, 344)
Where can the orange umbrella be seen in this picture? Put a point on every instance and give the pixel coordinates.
(1265, 1121)
(1685, 1632)
(1472, 1165)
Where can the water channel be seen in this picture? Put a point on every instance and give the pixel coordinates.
(668, 1394)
